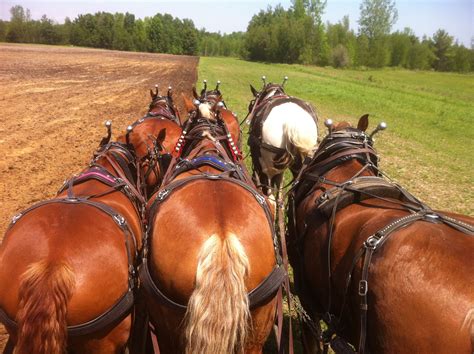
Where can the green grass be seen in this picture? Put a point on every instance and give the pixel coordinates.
(428, 145)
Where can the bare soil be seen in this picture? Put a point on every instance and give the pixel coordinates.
(53, 103)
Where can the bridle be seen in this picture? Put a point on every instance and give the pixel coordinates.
(162, 108)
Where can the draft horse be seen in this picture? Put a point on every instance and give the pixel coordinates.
(382, 269)
(67, 265)
(154, 136)
(283, 131)
(210, 270)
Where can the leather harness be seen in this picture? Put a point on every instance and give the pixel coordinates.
(123, 306)
(335, 149)
(231, 171)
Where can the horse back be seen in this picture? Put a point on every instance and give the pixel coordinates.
(419, 279)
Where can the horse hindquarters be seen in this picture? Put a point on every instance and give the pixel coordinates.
(218, 310)
(43, 297)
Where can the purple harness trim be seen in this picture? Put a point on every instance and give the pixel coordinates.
(95, 174)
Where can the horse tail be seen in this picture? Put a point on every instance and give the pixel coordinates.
(218, 311)
(44, 292)
(302, 134)
(468, 324)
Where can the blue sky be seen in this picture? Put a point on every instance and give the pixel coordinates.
(423, 16)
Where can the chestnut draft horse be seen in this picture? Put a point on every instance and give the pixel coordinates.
(283, 131)
(154, 137)
(67, 265)
(210, 270)
(382, 269)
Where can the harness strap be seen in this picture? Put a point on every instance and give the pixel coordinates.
(258, 296)
(113, 315)
(119, 171)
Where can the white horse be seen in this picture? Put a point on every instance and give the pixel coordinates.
(283, 132)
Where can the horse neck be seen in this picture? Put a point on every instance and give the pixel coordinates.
(347, 170)
(110, 162)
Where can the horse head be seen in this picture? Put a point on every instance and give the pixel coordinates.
(163, 105)
(268, 90)
(153, 137)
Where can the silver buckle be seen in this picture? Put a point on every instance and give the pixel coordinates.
(372, 242)
(16, 217)
(363, 287)
(119, 219)
(260, 199)
(163, 194)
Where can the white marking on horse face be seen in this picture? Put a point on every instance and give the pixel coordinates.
(205, 110)
(270, 94)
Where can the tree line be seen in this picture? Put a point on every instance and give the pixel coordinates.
(298, 35)
(293, 35)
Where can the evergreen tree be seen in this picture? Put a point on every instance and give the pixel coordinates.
(442, 45)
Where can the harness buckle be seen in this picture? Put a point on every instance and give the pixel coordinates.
(119, 219)
(213, 176)
(16, 217)
(260, 199)
(372, 242)
(163, 194)
(131, 277)
(432, 217)
(363, 287)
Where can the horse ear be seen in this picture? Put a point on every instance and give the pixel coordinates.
(161, 136)
(152, 94)
(363, 123)
(188, 104)
(195, 94)
(254, 92)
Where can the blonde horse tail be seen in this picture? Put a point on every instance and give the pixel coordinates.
(302, 134)
(218, 314)
(45, 290)
(468, 325)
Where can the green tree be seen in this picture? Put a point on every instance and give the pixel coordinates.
(442, 44)
(376, 20)
(420, 56)
(3, 30)
(17, 29)
(377, 17)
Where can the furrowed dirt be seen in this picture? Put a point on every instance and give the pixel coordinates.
(53, 103)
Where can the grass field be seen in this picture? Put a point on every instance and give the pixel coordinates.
(428, 145)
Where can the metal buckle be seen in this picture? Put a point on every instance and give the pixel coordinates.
(363, 287)
(119, 219)
(432, 216)
(372, 242)
(16, 217)
(163, 194)
(260, 199)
